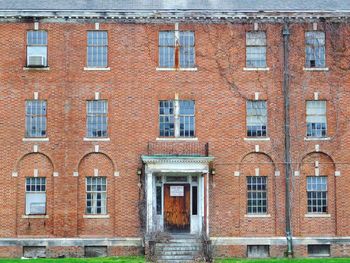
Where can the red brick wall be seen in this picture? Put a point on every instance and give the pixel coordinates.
(133, 88)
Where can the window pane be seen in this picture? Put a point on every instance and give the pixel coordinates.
(97, 49)
(317, 194)
(35, 118)
(315, 49)
(166, 49)
(96, 195)
(97, 120)
(187, 52)
(256, 194)
(256, 119)
(316, 119)
(256, 49)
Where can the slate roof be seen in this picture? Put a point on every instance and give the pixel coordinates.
(166, 5)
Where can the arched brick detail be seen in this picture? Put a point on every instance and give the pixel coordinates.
(320, 225)
(25, 168)
(260, 226)
(86, 168)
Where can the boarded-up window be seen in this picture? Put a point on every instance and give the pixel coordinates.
(95, 251)
(34, 252)
(319, 250)
(258, 251)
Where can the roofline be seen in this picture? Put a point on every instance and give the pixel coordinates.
(175, 13)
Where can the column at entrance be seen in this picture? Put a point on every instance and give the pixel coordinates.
(149, 202)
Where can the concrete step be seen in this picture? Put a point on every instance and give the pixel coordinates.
(176, 261)
(175, 257)
(179, 252)
(166, 249)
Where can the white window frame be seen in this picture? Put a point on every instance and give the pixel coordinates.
(40, 120)
(177, 48)
(93, 63)
(309, 190)
(96, 115)
(35, 196)
(37, 49)
(256, 45)
(316, 115)
(177, 119)
(95, 193)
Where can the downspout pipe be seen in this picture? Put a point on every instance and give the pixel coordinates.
(287, 151)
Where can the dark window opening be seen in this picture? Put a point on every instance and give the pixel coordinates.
(159, 199)
(319, 250)
(194, 200)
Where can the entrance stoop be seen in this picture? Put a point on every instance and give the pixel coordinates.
(179, 248)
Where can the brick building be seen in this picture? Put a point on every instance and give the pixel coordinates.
(119, 121)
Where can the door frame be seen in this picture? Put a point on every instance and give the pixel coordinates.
(160, 179)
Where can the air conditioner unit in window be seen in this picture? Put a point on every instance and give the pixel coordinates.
(36, 61)
(37, 209)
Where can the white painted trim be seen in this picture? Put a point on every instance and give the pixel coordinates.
(257, 215)
(36, 69)
(317, 215)
(257, 139)
(96, 139)
(35, 216)
(177, 139)
(256, 69)
(96, 216)
(315, 69)
(35, 139)
(97, 69)
(317, 138)
(176, 69)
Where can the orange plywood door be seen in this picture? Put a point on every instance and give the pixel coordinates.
(177, 207)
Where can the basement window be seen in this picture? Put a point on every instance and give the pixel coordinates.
(319, 250)
(34, 252)
(258, 251)
(95, 251)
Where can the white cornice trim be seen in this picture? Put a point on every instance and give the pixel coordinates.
(173, 159)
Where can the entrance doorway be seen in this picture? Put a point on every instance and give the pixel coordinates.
(177, 207)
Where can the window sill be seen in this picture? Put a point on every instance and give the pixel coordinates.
(36, 69)
(35, 216)
(256, 69)
(257, 139)
(317, 215)
(177, 139)
(317, 139)
(35, 139)
(315, 69)
(96, 69)
(96, 216)
(96, 139)
(257, 215)
(176, 69)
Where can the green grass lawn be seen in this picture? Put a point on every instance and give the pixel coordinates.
(299, 260)
(78, 260)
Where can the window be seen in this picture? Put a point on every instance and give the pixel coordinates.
(36, 118)
(159, 194)
(36, 196)
(315, 49)
(176, 49)
(176, 118)
(319, 250)
(257, 194)
(316, 119)
(96, 190)
(258, 251)
(256, 49)
(97, 49)
(256, 118)
(317, 194)
(37, 48)
(97, 119)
